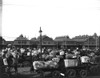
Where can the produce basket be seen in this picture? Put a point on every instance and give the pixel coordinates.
(71, 62)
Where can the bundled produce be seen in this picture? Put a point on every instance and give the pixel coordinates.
(43, 64)
(38, 64)
(51, 64)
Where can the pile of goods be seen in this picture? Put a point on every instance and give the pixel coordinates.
(71, 62)
(44, 64)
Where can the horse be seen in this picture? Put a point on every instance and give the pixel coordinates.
(24, 60)
(12, 62)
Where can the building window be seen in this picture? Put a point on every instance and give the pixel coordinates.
(19, 42)
(44, 42)
(48, 42)
(23, 42)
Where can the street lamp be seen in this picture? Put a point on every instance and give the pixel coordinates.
(40, 31)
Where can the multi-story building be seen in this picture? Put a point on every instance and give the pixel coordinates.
(21, 41)
(64, 41)
(78, 41)
(33, 42)
(87, 41)
(2, 42)
(59, 42)
(46, 41)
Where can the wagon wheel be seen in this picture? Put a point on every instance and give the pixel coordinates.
(71, 73)
(56, 74)
(26, 63)
(94, 69)
(41, 73)
(5, 75)
(83, 73)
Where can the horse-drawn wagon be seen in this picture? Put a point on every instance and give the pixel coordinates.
(67, 67)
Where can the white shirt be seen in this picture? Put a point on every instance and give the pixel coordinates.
(5, 61)
(85, 59)
(62, 53)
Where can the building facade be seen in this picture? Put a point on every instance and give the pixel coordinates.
(21, 41)
(92, 42)
(3, 43)
(33, 42)
(46, 41)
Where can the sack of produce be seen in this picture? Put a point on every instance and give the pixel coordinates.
(55, 60)
(85, 59)
(38, 64)
(51, 64)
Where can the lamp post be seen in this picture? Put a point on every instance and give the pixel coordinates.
(40, 31)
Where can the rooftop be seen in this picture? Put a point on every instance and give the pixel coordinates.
(21, 37)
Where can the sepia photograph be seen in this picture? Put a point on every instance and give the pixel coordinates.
(49, 38)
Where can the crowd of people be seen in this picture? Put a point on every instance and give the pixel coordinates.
(13, 56)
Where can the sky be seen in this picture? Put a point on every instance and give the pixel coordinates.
(0, 16)
(55, 17)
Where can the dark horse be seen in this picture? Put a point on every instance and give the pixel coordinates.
(12, 63)
(24, 60)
